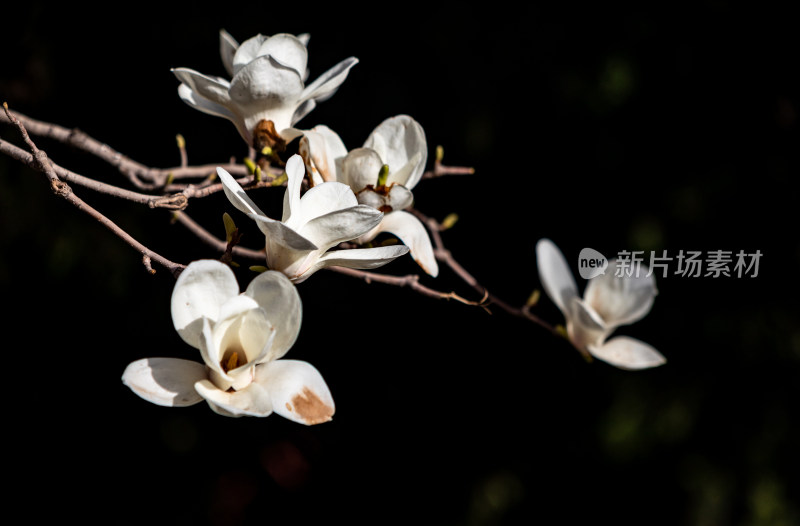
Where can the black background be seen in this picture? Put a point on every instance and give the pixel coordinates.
(608, 128)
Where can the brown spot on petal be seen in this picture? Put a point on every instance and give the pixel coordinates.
(311, 408)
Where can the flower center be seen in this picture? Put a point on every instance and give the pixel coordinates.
(232, 359)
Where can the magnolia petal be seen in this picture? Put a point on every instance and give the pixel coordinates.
(227, 50)
(325, 198)
(363, 258)
(361, 168)
(621, 300)
(236, 194)
(400, 142)
(279, 298)
(327, 84)
(555, 275)
(265, 84)
(327, 150)
(584, 326)
(214, 89)
(286, 49)
(295, 172)
(415, 236)
(280, 235)
(297, 390)
(341, 225)
(165, 381)
(210, 352)
(302, 110)
(247, 52)
(628, 353)
(399, 197)
(253, 400)
(200, 290)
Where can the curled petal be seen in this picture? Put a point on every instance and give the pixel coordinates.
(236, 194)
(324, 199)
(297, 390)
(286, 49)
(628, 353)
(400, 197)
(165, 381)
(253, 400)
(341, 225)
(279, 298)
(413, 234)
(400, 142)
(227, 50)
(363, 258)
(247, 52)
(621, 300)
(361, 167)
(214, 89)
(555, 275)
(199, 292)
(295, 172)
(327, 150)
(327, 84)
(267, 83)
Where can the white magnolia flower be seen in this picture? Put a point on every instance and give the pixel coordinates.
(326, 215)
(268, 83)
(241, 338)
(381, 174)
(608, 302)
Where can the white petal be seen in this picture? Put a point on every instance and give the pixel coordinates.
(327, 84)
(227, 49)
(165, 381)
(361, 168)
(199, 292)
(621, 300)
(321, 200)
(279, 298)
(214, 89)
(628, 353)
(236, 194)
(555, 275)
(280, 235)
(399, 197)
(297, 390)
(295, 172)
(414, 235)
(584, 326)
(400, 141)
(341, 225)
(265, 84)
(247, 52)
(288, 50)
(327, 151)
(250, 401)
(361, 258)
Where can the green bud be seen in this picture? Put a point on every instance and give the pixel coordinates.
(439, 154)
(170, 178)
(181, 141)
(258, 173)
(282, 178)
(533, 299)
(383, 175)
(251, 166)
(259, 268)
(266, 150)
(230, 226)
(449, 221)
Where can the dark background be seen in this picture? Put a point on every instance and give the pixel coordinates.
(608, 128)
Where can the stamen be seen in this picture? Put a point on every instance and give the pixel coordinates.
(233, 362)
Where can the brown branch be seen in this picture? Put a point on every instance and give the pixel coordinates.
(38, 160)
(445, 256)
(440, 169)
(138, 174)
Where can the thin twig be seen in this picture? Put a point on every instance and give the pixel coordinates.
(40, 162)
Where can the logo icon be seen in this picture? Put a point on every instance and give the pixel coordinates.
(591, 263)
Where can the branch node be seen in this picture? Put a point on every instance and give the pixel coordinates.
(60, 188)
(170, 202)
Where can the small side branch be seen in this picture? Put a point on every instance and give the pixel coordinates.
(39, 161)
